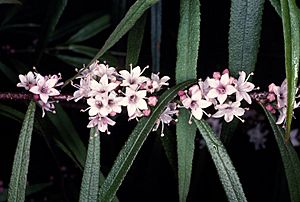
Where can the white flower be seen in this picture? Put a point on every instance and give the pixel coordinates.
(45, 88)
(155, 83)
(243, 87)
(27, 81)
(98, 105)
(220, 88)
(281, 94)
(102, 69)
(258, 136)
(114, 102)
(196, 104)
(101, 122)
(102, 87)
(133, 79)
(134, 100)
(166, 117)
(83, 89)
(49, 106)
(229, 110)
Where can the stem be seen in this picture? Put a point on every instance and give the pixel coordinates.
(28, 96)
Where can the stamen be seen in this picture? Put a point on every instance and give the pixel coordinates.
(190, 119)
(251, 74)
(242, 120)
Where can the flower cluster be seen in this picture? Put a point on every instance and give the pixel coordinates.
(277, 100)
(222, 91)
(107, 90)
(43, 88)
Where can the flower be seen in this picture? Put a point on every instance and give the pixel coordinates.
(101, 122)
(258, 136)
(281, 94)
(220, 89)
(101, 87)
(27, 81)
(49, 106)
(243, 87)
(166, 117)
(98, 105)
(45, 87)
(155, 83)
(83, 89)
(133, 79)
(134, 100)
(229, 110)
(196, 104)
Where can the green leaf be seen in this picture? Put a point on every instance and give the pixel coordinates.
(133, 14)
(18, 179)
(91, 29)
(134, 41)
(55, 10)
(91, 173)
(186, 68)
(244, 35)
(291, 33)
(68, 133)
(185, 134)
(74, 61)
(129, 20)
(134, 144)
(32, 189)
(276, 5)
(10, 74)
(10, 2)
(289, 158)
(225, 168)
(156, 21)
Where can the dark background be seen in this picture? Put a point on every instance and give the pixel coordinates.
(151, 177)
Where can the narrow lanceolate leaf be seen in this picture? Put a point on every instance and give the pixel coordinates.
(133, 14)
(291, 31)
(225, 168)
(156, 17)
(276, 5)
(68, 134)
(134, 144)
(55, 10)
(134, 41)
(8, 72)
(185, 134)
(186, 68)
(90, 29)
(18, 179)
(244, 34)
(91, 174)
(289, 158)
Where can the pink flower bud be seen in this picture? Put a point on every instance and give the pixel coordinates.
(271, 97)
(272, 86)
(269, 107)
(226, 71)
(152, 101)
(112, 113)
(36, 97)
(180, 93)
(217, 75)
(146, 112)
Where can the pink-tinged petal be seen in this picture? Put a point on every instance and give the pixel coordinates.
(196, 95)
(239, 112)
(224, 79)
(23, 78)
(125, 74)
(141, 93)
(44, 97)
(228, 117)
(111, 87)
(213, 93)
(104, 80)
(93, 111)
(94, 85)
(197, 113)
(213, 83)
(247, 87)
(218, 114)
(104, 111)
(91, 101)
(50, 83)
(221, 98)
(110, 122)
(235, 104)
(204, 103)
(187, 102)
(35, 90)
(124, 101)
(136, 72)
(238, 96)
(142, 104)
(230, 89)
(242, 77)
(131, 109)
(53, 92)
(247, 97)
